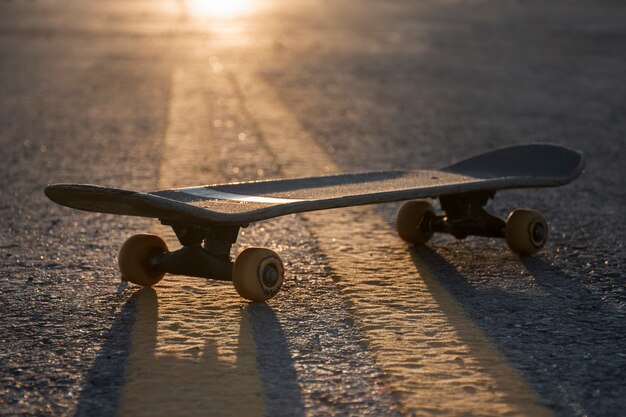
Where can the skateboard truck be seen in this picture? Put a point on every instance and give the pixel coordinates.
(465, 216)
(257, 273)
(525, 230)
(205, 252)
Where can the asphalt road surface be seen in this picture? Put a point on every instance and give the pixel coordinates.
(152, 94)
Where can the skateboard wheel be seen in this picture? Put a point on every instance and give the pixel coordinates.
(526, 231)
(134, 257)
(258, 274)
(409, 219)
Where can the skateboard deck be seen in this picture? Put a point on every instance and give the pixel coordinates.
(534, 165)
(207, 219)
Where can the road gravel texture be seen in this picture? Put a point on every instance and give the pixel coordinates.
(143, 95)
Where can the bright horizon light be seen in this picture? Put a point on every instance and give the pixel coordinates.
(219, 8)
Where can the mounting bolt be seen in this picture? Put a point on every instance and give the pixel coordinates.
(269, 276)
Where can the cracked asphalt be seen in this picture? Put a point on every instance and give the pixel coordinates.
(152, 94)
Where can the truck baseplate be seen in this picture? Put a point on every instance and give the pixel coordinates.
(205, 252)
(465, 216)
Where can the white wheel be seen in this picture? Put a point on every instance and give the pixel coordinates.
(526, 231)
(258, 274)
(409, 219)
(133, 259)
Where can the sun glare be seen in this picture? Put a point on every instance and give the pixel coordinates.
(220, 8)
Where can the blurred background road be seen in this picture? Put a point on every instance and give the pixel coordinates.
(151, 94)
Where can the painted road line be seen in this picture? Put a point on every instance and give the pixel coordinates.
(436, 359)
(306, 366)
(192, 352)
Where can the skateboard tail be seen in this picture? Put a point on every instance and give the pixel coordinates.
(545, 164)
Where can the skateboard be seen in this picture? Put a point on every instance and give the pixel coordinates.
(207, 219)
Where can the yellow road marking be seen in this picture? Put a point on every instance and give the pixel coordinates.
(436, 359)
(192, 352)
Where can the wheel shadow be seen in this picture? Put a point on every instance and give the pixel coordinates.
(195, 381)
(561, 337)
(102, 388)
(276, 366)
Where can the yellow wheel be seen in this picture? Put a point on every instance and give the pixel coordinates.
(409, 219)
(526, 231)
(258, 274)
(134, 256)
